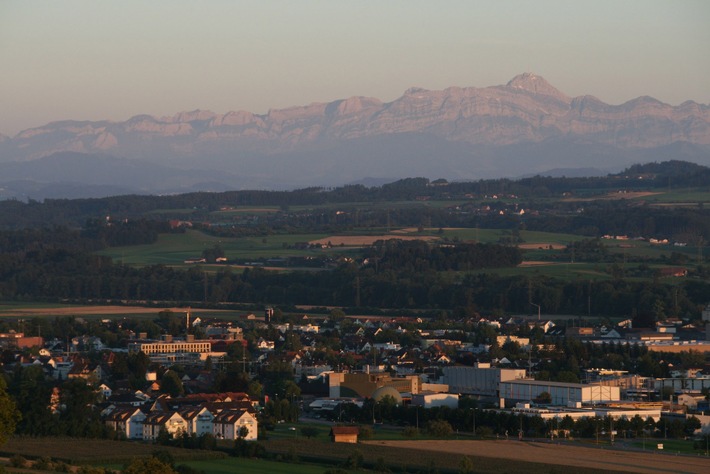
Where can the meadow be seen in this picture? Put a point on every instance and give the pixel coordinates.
(543, 251)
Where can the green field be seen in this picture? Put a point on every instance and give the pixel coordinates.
(669, 445)
(174, 249)
(682, 196)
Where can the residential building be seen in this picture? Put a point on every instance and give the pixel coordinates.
(156, 421)
(199, 420)
(127, 421)
(233, 424)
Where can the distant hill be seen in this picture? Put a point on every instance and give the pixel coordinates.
(523, 128)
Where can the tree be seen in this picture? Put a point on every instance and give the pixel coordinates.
(171, 384)
(544, 397)
(309, 431)
(439, 428)
(31, 394)
(336, 315)
(466, 465)
(152, 465)
(691, 425)
(9, 415)
(80, 417)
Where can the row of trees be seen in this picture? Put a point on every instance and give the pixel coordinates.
(53, 274)
(418, 256)
(35, 399)
(443, 421)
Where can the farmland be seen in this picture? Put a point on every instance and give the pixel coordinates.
(94, 451)
(543, 251)
(302, 456)
(566, 457)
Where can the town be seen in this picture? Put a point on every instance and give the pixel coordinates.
(336, 329)
(238, 378)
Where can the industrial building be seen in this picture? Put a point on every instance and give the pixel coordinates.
(482, 379)
(364, 385)
(561, 393)
(431, 400)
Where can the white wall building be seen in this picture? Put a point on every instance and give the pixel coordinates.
(562, 393)
(227, 425)
(432, 399)
(479, 380)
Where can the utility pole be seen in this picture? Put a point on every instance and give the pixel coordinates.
(205, 287)
(538, 310)
(357, 291)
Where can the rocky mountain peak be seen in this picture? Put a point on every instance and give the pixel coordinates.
(530, 82)
(192, 115)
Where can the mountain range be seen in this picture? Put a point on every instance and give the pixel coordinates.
(524, 127)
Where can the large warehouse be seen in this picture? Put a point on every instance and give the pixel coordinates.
(479, 380)
(561, 393)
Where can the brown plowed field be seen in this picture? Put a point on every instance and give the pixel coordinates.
(541, 245)
(564, 455)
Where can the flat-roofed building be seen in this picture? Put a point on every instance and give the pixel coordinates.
(482, 379)
(170, 351)
(432, 399)
(561, 393)
(364, 385)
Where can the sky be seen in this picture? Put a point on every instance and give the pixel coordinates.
(96, 60)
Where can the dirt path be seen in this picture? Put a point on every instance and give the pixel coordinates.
(565, 455)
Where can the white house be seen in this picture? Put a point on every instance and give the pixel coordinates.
(264, 345)
(171, 422)
(128, 421)
(229, 423)
(105, 391)
(199, 420)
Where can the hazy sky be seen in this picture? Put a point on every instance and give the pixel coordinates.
(91, 59)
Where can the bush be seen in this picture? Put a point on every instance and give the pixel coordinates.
(380, 465)
(18, 461)
(248, 449)
(61, 466)
(411, 432)
(355, 460)
(365, 432)
(309, 431)
(439, 428)
(466, 465)
(484, 432)
(91, 470)
(185, 469)
(164, 457)
(43, 464)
